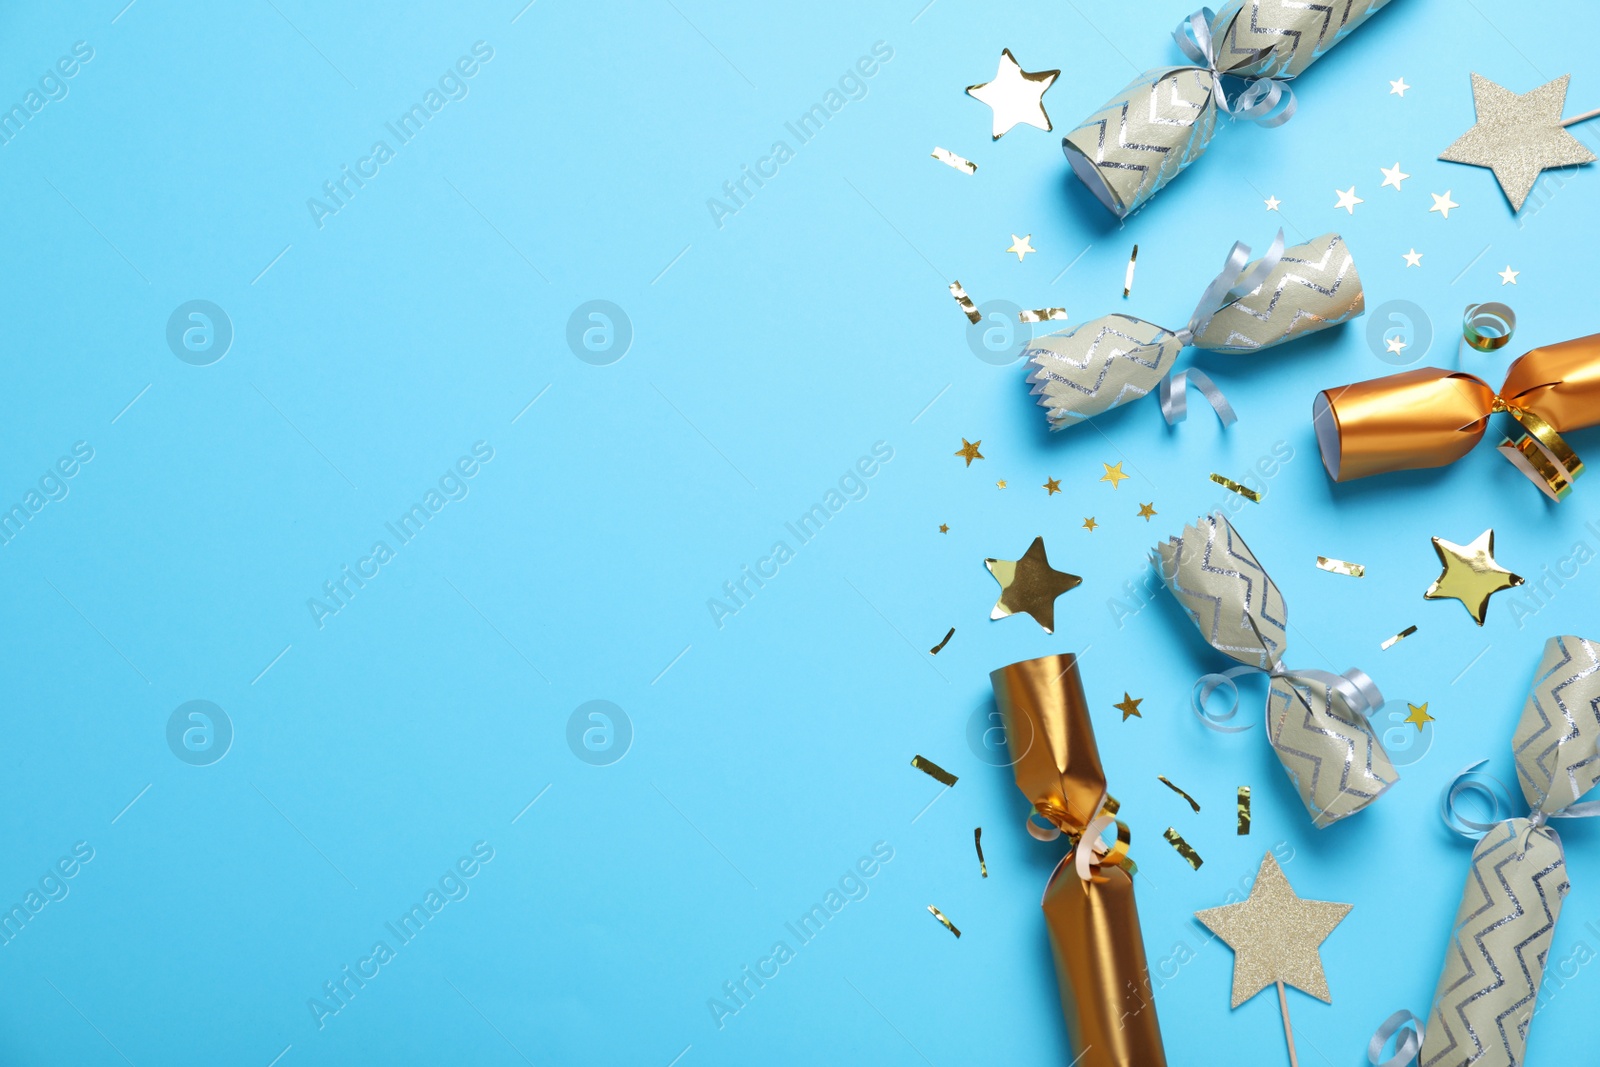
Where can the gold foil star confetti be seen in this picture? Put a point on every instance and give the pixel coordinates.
(948, 925)
(950, 159)
(1015, 95)
(1418, 716)
(1518, 136)
(969, 450)
(1398, 88)
(1397, 638)
(1443, 204)
(1129, 706)
(1339, 566)
(933, 770)
(1509, 276)
(1127, 279)
(1114, 475)
(977, 843)
(1020, 246)
(1244, 810)
(1001, 484)
(1393, 176)
(1276, 937)
(1051, 486)
(1470, 574)
(1234, 487)
(1272, 203)
(1030, 586)
(1348, 200)
(1413, 258)
(1193, 803)
(944, 528)
(968, 308)
(1043, 315)
(1147, 511)
(935, 650)
(1089, 524)
(1183, 848)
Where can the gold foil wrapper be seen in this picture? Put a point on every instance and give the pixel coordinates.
(1488, 991)
(1093, 926)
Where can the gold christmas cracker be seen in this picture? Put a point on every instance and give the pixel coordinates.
(1234, 487)
(1397, 638)
(933, 770)
(950, 159)
(1339, 566)
(948, 925)
(968, 308)
(1184, 849)
(1193, 803)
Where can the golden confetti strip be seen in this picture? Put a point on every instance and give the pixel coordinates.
(1043, 315)
(1230, 484)
(977, 841)
(1397, 638)
(1127, 280)
(1244, 810)
(948, 925)
(933, 770)
(950, 159)
(934, 651)
(1339, 566)
(1192, 802)
(968, 308)
(1190, 856)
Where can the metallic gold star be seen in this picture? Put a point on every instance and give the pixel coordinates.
(1470, 574)
(1272, 203)
(1147, 510)
(1030, 585)
(1392, 176)
(1418, 715)
(1052, 486)
(1129, 706)
(943, 528)
(1443, 204)
(1020, 246)
(1509, 276)
(1275, 936)
(1413, 258)
(969, 449)
(1001, 484)
(1348, 200)
(1089, 524)
(1517, 136)
(1113, 475)
(1015, 95)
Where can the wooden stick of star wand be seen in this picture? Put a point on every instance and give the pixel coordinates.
(1288, 1031)
(1574, 120)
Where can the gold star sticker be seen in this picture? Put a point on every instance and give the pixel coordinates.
(1129, 706)
(1113, 475)
(1020, 246)
(1015, 95)
(1147, 510)
(1418, 715)
(969, 449)
(1052, 486)
(1089, 524)
(1470, 574)
(943, 528)
(1517, 136)
(1275, 936)
(1001, 484)
(1030, 585)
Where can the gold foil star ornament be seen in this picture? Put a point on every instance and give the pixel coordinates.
(1129, 706)
(1113, 474)
(1030, 585)
(1016, 95)
(1470, 574)
(969, 450)
(1052, 486)
(1518, 136)
(1020, 246)
(1418, 716)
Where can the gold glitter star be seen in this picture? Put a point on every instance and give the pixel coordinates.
(1089, 524)
(1030, 585)
(1470, 574)
(1001, 484)
(1275, 936)
(1052, 486)
(1517, 136)
(1418, 715)
(1129, 706)
(943, 528)
(1147, 510)
(969, 449)
(1020, 246)
(1015, 95)
(1113, 475)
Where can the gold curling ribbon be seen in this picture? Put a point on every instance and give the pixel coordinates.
(1431, 417)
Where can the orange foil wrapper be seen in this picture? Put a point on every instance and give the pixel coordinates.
(1093, 924)
(1432, 417)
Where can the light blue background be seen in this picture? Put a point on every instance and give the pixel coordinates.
(768, 355)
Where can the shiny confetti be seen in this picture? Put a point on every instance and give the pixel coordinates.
(1129, 706)
(944, 527)
(977, 842)
(1015, 95)
(1020, 246)
(1127, 279)
(933, 770)
(1470, 574)
(1397, 638)
(1339, 566)
(1030, 585)
(1147, 511)
(1184, 849)
(950, 159)
(1418, 716)
(1244, 810)
(948, 925)
(1518, 135)
(1001, 484)
(969, 450)
(1051, 486)
(1233, 486)
(1193, 803)
(1089, 524)
(934, 651)
(968, 308)
(1114, 474)
(1043, 315)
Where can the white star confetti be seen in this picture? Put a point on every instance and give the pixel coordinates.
(1398, 88)
(1348, 200)
(1443, 204)
(1272, 203)
(1413, 258)
(1393, 175)
(1509, 276)
(1395, 345)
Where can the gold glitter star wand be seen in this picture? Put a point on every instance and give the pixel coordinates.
(1518, 136)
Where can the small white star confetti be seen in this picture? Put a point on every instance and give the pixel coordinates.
(1509, 276)
(1398, 88)
(1393, 175)
(1348, 200)
(1272, 203)
(1020, 246)
(1443, 204)
(1413, 258)
(1395, 345)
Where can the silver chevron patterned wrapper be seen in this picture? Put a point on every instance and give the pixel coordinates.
(1079, 373)
(1496, 958)
(1133, 146)
(1328, 748)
